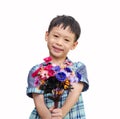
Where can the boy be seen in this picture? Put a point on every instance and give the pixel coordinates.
(62, 36)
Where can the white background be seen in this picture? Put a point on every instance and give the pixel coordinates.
(22, 28)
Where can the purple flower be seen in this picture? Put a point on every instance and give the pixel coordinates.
(68, 69)
(56, 68)
(73, 79)
(37, 81)
(61, 76)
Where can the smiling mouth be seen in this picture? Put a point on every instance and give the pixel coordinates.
(57, 49)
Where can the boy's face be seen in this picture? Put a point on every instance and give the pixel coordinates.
(60, 41)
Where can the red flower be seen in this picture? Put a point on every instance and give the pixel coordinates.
(51, 73)
(43, 75)
(36, 72)
(47, 59)
(48, 67)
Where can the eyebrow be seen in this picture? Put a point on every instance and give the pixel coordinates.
(55, 32)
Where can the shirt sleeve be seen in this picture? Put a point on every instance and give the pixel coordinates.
(31, 88)
(81, 69)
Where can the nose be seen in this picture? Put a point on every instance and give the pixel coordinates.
(59, 42)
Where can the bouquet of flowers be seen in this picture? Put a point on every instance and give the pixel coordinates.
(55, 79)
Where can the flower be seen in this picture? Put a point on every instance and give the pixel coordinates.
(36, 83)
(55, 79)
(47, 59)
(61, 76)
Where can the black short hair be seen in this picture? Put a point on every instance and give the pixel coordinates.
(66, 21)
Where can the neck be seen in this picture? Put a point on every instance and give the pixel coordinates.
(58, 61)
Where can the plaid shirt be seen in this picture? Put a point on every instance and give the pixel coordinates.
(77, 111)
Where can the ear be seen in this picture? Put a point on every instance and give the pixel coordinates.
(46, 35)
(74, 45)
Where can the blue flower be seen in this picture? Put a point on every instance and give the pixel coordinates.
(68, 69)
(61, 76)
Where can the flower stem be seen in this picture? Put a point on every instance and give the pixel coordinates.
(56, 104)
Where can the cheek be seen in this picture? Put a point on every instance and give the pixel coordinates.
(68, 47)
(48, 41)
(71, 48)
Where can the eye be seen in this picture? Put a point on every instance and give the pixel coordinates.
(56, 36)
(67, 40)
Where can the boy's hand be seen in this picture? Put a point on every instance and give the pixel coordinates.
(56, 113)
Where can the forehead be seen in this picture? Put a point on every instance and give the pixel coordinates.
(61, 28)
(66, 32)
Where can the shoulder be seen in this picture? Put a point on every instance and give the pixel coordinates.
(78, 65)
(35, 67)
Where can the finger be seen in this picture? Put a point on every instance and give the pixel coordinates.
(57, 110)
(51, 108)
(56, 114)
